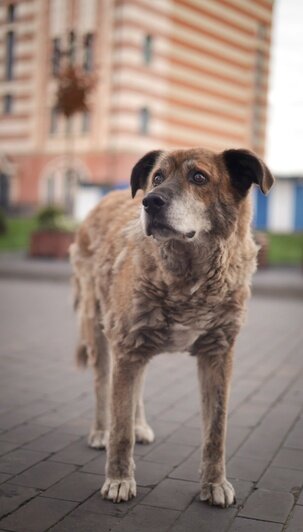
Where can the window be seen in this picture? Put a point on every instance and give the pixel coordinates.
(148, 49)
(50, 190)
(69, 125)
(10, 51)
(88, 52)
(54, 115)
(262, 31)
(56, 56)
(7, 104)
(72, 48)
(69, 189)
(86, 118)
(144, 120)
(11, 13)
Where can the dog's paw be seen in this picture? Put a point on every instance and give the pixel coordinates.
(119, 490)
(221, 494)
(144, 434)
(98, 439)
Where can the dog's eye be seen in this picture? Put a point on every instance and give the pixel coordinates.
(158, 179)
(199, 179)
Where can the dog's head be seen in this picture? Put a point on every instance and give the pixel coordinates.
(192, 191)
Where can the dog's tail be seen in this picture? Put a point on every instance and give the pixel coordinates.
(81, 356)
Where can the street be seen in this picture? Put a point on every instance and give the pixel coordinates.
(50, 478)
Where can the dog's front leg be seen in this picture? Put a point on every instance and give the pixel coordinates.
(214, 373)
(120, 484)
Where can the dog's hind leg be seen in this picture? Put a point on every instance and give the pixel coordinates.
(92, 349)
(98, 435)
(144, 433)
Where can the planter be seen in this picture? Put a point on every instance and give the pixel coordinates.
(50, 243)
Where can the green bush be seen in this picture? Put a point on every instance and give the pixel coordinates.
(46, 217)
(3, 223)
(53, 217)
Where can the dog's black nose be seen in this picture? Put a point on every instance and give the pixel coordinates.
(153, 203)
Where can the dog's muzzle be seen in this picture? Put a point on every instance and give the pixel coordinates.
(153, 203)
(154, 206)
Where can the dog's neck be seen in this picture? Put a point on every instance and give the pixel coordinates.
(190, 262)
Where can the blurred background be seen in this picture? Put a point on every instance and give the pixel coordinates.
(88, 86)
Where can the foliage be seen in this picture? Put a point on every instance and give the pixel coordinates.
(18, 234)
(3, 223)
(285, 249)
(46, 216)
(53, 217)
(74, 87)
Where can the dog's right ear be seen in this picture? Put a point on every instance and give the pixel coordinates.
(141, 170)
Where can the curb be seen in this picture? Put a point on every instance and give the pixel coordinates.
(279, 286)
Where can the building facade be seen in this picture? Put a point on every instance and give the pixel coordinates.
(170, 73)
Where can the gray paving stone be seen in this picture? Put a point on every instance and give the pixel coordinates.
(78, 453)
(43, 475)
(290, 458)
(37, 515)
(52, 442)
(150, 473)
(6, 447)
(11, 497)
(24, 433)
(295, 523)
(83, 521)
(4, 477)
(241, 524)
(295, 438)
(246, 468)
(147, 519)
(187, 436)
(169, 453)
(268, 506)
(281, 479)
(189, 469)
(243, 489)
(300, 499)
(248, 415)
(74, 487)
(96, 466)
(235, 437)
(172, 493)
(11, 419)
(19, 460)
(200, 516)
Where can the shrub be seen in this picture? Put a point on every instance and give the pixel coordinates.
(3, 223)
(53, 217)
(46, 217)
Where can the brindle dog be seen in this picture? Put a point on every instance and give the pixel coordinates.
(167, 271)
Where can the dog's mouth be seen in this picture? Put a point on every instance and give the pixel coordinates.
(164, 230)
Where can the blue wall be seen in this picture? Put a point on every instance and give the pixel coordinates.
(261, 210)
(298, 217)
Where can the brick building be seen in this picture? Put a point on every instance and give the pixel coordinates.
(170, 73)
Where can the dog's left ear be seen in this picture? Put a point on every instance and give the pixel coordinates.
(141, 170)
(245, 168)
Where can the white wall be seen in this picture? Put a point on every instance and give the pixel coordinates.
(281, 207)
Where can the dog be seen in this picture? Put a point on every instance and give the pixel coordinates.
(168, 269)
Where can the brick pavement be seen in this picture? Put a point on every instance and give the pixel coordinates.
(49, 477)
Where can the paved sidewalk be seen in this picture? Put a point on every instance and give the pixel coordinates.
(50, 479)
(287, 282)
